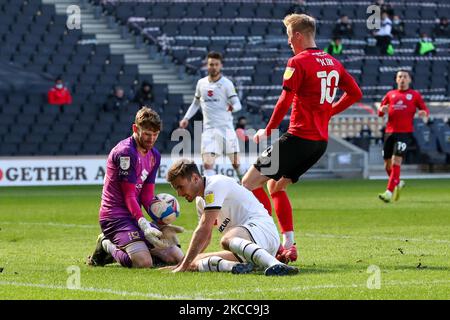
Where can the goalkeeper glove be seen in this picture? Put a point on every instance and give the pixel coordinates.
(152, 234)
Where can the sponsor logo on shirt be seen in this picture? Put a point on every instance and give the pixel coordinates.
(210, 93)
(124, 163)
(288, 73)
(209, 198)
(224, 224)
(144, 175)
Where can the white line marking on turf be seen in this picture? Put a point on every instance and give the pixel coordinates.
(102, 290)
(327, 286)
(383, 238)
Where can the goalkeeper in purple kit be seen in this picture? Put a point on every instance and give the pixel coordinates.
(128, 238)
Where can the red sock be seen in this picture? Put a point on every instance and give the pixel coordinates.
(283, 209)
(262, 196)
(394, 178)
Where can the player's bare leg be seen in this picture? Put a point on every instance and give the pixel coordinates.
(235, 161)
(283, 209)
(254, 181)
(388, 166)
(209, 160)
(139, 255)
(171, 256)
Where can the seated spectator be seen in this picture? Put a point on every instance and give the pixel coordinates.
(385, 7)
(441, 29)
(59, 94)
(425, 46)
(240, 129)
(116, 101)
(297, 7)
(384, 35)
(398, 27)
(365, 132)
(335, 47)
(343, 28)
(144, 96)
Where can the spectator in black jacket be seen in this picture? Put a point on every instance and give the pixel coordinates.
(398, 27)
(441, 29)
(116, 101)
(343, 28)
(144, 96)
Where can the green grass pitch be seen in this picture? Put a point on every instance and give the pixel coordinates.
(341, 227)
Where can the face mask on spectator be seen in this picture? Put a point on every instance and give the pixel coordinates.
(59, 86)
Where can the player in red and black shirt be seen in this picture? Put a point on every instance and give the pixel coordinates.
(310, 84)
(401, 106)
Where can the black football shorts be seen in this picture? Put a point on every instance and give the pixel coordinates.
(396, 144)
(290, 157)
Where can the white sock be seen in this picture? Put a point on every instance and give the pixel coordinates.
(108, 246)
(215, 264)
(210, 172)
(288, 239)
(252, 252)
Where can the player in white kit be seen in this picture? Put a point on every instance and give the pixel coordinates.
(248, 232)
(217, 98)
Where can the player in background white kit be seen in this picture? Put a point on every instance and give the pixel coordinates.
(217, 98)
(249, 233)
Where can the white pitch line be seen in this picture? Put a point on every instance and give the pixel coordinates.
(102, 290)
(328, 286)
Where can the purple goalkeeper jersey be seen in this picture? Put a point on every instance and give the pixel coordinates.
(126, 164)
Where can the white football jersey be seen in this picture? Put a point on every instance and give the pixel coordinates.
(214, 100)
(237, 204)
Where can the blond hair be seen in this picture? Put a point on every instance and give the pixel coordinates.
(183, 168)
(148, 119)
(302, 23)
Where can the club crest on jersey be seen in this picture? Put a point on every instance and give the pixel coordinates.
(288, 73)
(210, 93)
(124, 163)
(209, 198)
(409, 96)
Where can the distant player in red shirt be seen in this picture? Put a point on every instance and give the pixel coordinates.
(401, 106)
(310, 84)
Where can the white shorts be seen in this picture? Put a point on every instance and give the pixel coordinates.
(264, 234)
(219, 141)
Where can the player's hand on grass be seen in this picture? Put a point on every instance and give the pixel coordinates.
(260, 136)
(184, 123)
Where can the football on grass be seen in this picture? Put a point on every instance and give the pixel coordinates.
(164, 208)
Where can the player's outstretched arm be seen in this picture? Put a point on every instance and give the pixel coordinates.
(424, 112)
(235, 104)
(200, 239)
(193, 108)
(281, 108)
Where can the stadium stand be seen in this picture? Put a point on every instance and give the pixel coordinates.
(249, 34)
